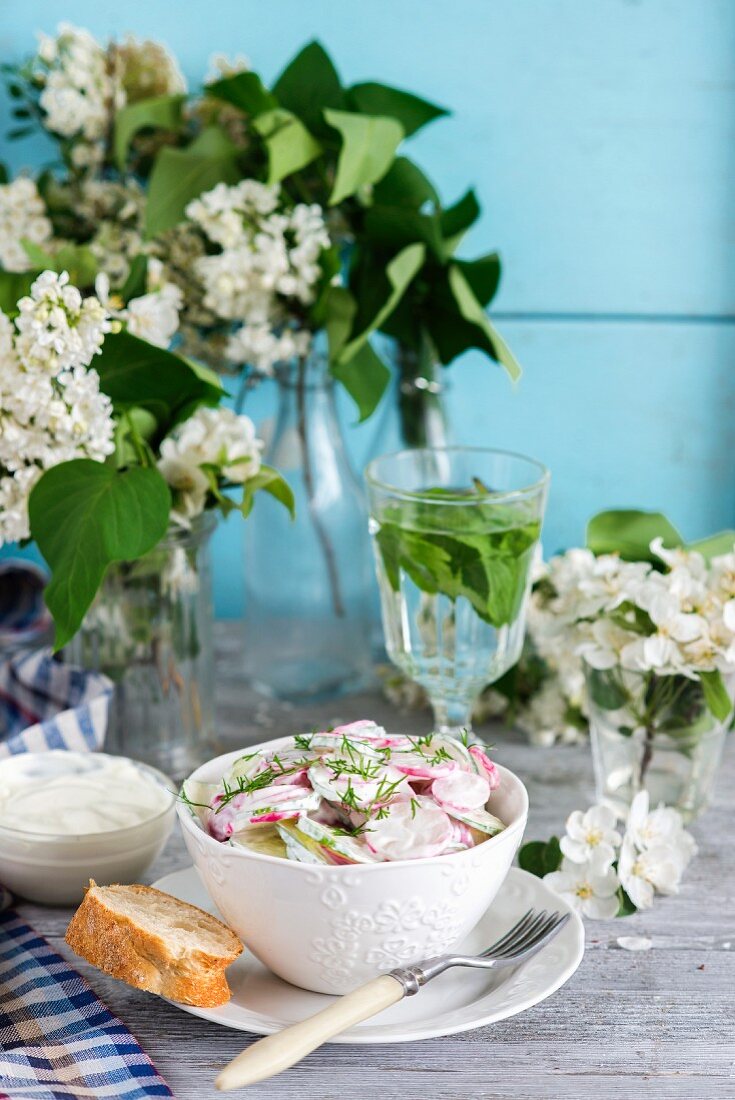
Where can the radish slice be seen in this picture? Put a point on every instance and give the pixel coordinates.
(461, 791)
(411, 830)
(484, 766)
(355, 791)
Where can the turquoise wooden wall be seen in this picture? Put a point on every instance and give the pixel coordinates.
(600, 135)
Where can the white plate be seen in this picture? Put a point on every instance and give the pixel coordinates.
(456, 1001)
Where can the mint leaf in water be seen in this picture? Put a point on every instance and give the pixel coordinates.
(478, 551)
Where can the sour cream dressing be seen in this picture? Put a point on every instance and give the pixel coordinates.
(60, 793)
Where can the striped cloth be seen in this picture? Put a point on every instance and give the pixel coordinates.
(24, 619)
(45, 704)
(57, 1040)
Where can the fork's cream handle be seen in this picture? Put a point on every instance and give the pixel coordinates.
(277, 1052)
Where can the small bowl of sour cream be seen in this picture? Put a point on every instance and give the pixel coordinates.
(66, 817)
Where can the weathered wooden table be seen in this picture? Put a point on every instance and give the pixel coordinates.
(658, 1024)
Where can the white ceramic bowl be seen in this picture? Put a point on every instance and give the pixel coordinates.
(55, 869)
(330, 928)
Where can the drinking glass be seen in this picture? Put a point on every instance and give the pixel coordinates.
(454, 533)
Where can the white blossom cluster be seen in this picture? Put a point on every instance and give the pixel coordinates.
(266, 271)
(154, 316)
(22, 217)
(649, 858)
(110, 213)
(84, 83)
(211, 447)
(51, 407)
(612, 613)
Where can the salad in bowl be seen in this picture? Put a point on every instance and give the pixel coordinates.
(355, 794)
(341, 853)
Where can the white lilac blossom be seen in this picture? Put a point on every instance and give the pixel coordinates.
(649, 858)
(110, 212)
(266, 271)
(590, 887)
(51, 407)
(221, 65)
(83, 84)
(22, 217)
(154, 316)
(212, 440)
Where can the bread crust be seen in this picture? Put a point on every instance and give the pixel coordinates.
(113, 942)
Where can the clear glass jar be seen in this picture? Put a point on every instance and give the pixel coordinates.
(414, 412)
(150, 630)
(308, 581)
(652, 733)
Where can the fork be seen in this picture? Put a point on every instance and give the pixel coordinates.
(277, 1052)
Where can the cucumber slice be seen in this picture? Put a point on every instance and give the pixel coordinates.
(350, 848)
(261, 838)
(299, 847)
(481, 820)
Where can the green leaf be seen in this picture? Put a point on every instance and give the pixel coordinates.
(76, 259)
(244, 91)
(135, 373)
(340, 309)
(472, 311)
(180, 175)
(365, 377)
(715, 694)
(135, 284)
(540, 858)
(399, 273)
(290, 145)
(483, 275)
(629, 533)
(456, 220)
(14, 285)
(404, 184)
(161, 112)
(271, 482)
(410, 110)
(85, 515)
(394, 227)
(605, 689)
(552, 856)
(626, 907)
(483, 555)
(368, 147)
(309, 85)
(715, 545)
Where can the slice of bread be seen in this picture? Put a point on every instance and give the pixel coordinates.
(155, 942)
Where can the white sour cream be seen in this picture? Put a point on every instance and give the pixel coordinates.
(61, 793)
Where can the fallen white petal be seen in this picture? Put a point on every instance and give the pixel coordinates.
(635, 943)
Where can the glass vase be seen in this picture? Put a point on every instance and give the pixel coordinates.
(414, 412)
(308, 581)
(652, 733)
(150, 630)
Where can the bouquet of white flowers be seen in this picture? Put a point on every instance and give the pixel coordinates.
(97, 462)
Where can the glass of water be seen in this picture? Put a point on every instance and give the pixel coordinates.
(454, 533)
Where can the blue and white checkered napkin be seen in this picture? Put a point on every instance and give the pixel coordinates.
(57, 1040)
(45, 704)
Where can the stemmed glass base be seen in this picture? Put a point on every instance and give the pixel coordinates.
(452, 717)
